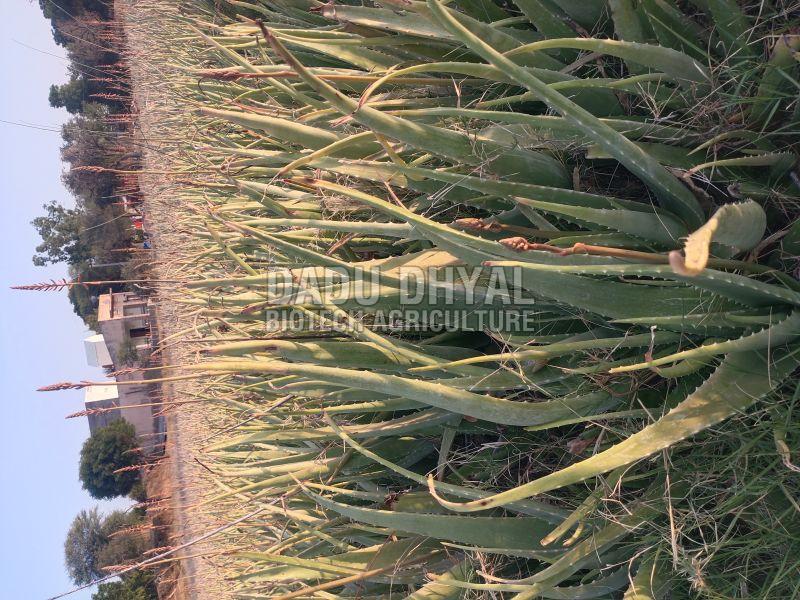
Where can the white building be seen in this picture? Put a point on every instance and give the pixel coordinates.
(124, 321)
(97, 354)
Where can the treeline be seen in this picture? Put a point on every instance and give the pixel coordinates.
(97, 546)
(98, 151)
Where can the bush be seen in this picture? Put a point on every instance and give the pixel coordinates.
(127, 355)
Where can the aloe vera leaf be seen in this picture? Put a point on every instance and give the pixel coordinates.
(732, 25)
(523, 125)
(588, 15)
(739, 381)
(389, 173)
(545, 18)
(647, 226)
(609, 416)
(472, 249)
(374, 406)
(438, 588)
(229, 251)
(672, 156)
(618, 300)
(331, 347)
(496, 37)
(598, 588)
(651, 581)
(781, 333)
(487, 408)
(561, 348)
(594, 95)
(385, 19)
(285, 129)
(672, 194)
(630, 25)
(428, 419)
(781, 161)
(352, 147)
(585, 508)
(674, 30)
(722, 322)
(398, 230)
(344, 354)
(448, 437)
(331, 566)
(740, 226)
(519, 533)
(546, 512)
(365, 58)
(739, 288)
(777, 81)
(590, 548)
(516, 163)
(676, 64)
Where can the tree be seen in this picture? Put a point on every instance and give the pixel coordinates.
(70, 95)
(94, 542)
(83, 236)
(137, 586)
(84, 539)
(62, 12)
(109, 449)
(60, 232)
(89, 141)
(122, 547)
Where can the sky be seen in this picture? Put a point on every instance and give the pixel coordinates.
(41, 339)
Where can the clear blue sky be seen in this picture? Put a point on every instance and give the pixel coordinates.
(40, 336)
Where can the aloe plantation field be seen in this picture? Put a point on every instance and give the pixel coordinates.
(475, 298)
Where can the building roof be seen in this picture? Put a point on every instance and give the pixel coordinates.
(100, 393)
(105, 307)
(97, 354)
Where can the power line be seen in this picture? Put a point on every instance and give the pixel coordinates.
(31, 126)
(71, 62)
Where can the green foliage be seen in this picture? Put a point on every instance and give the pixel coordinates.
(128, 355)
(108, 449)
(85, 538)
(60, 232)
(89, 141)
(70, 95)
(80, 235)
(137, 586)
(86, 236)
(91, 543)
(94, 542)
(121, 548)
(138, 493)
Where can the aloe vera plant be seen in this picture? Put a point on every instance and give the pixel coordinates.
(626, 169)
